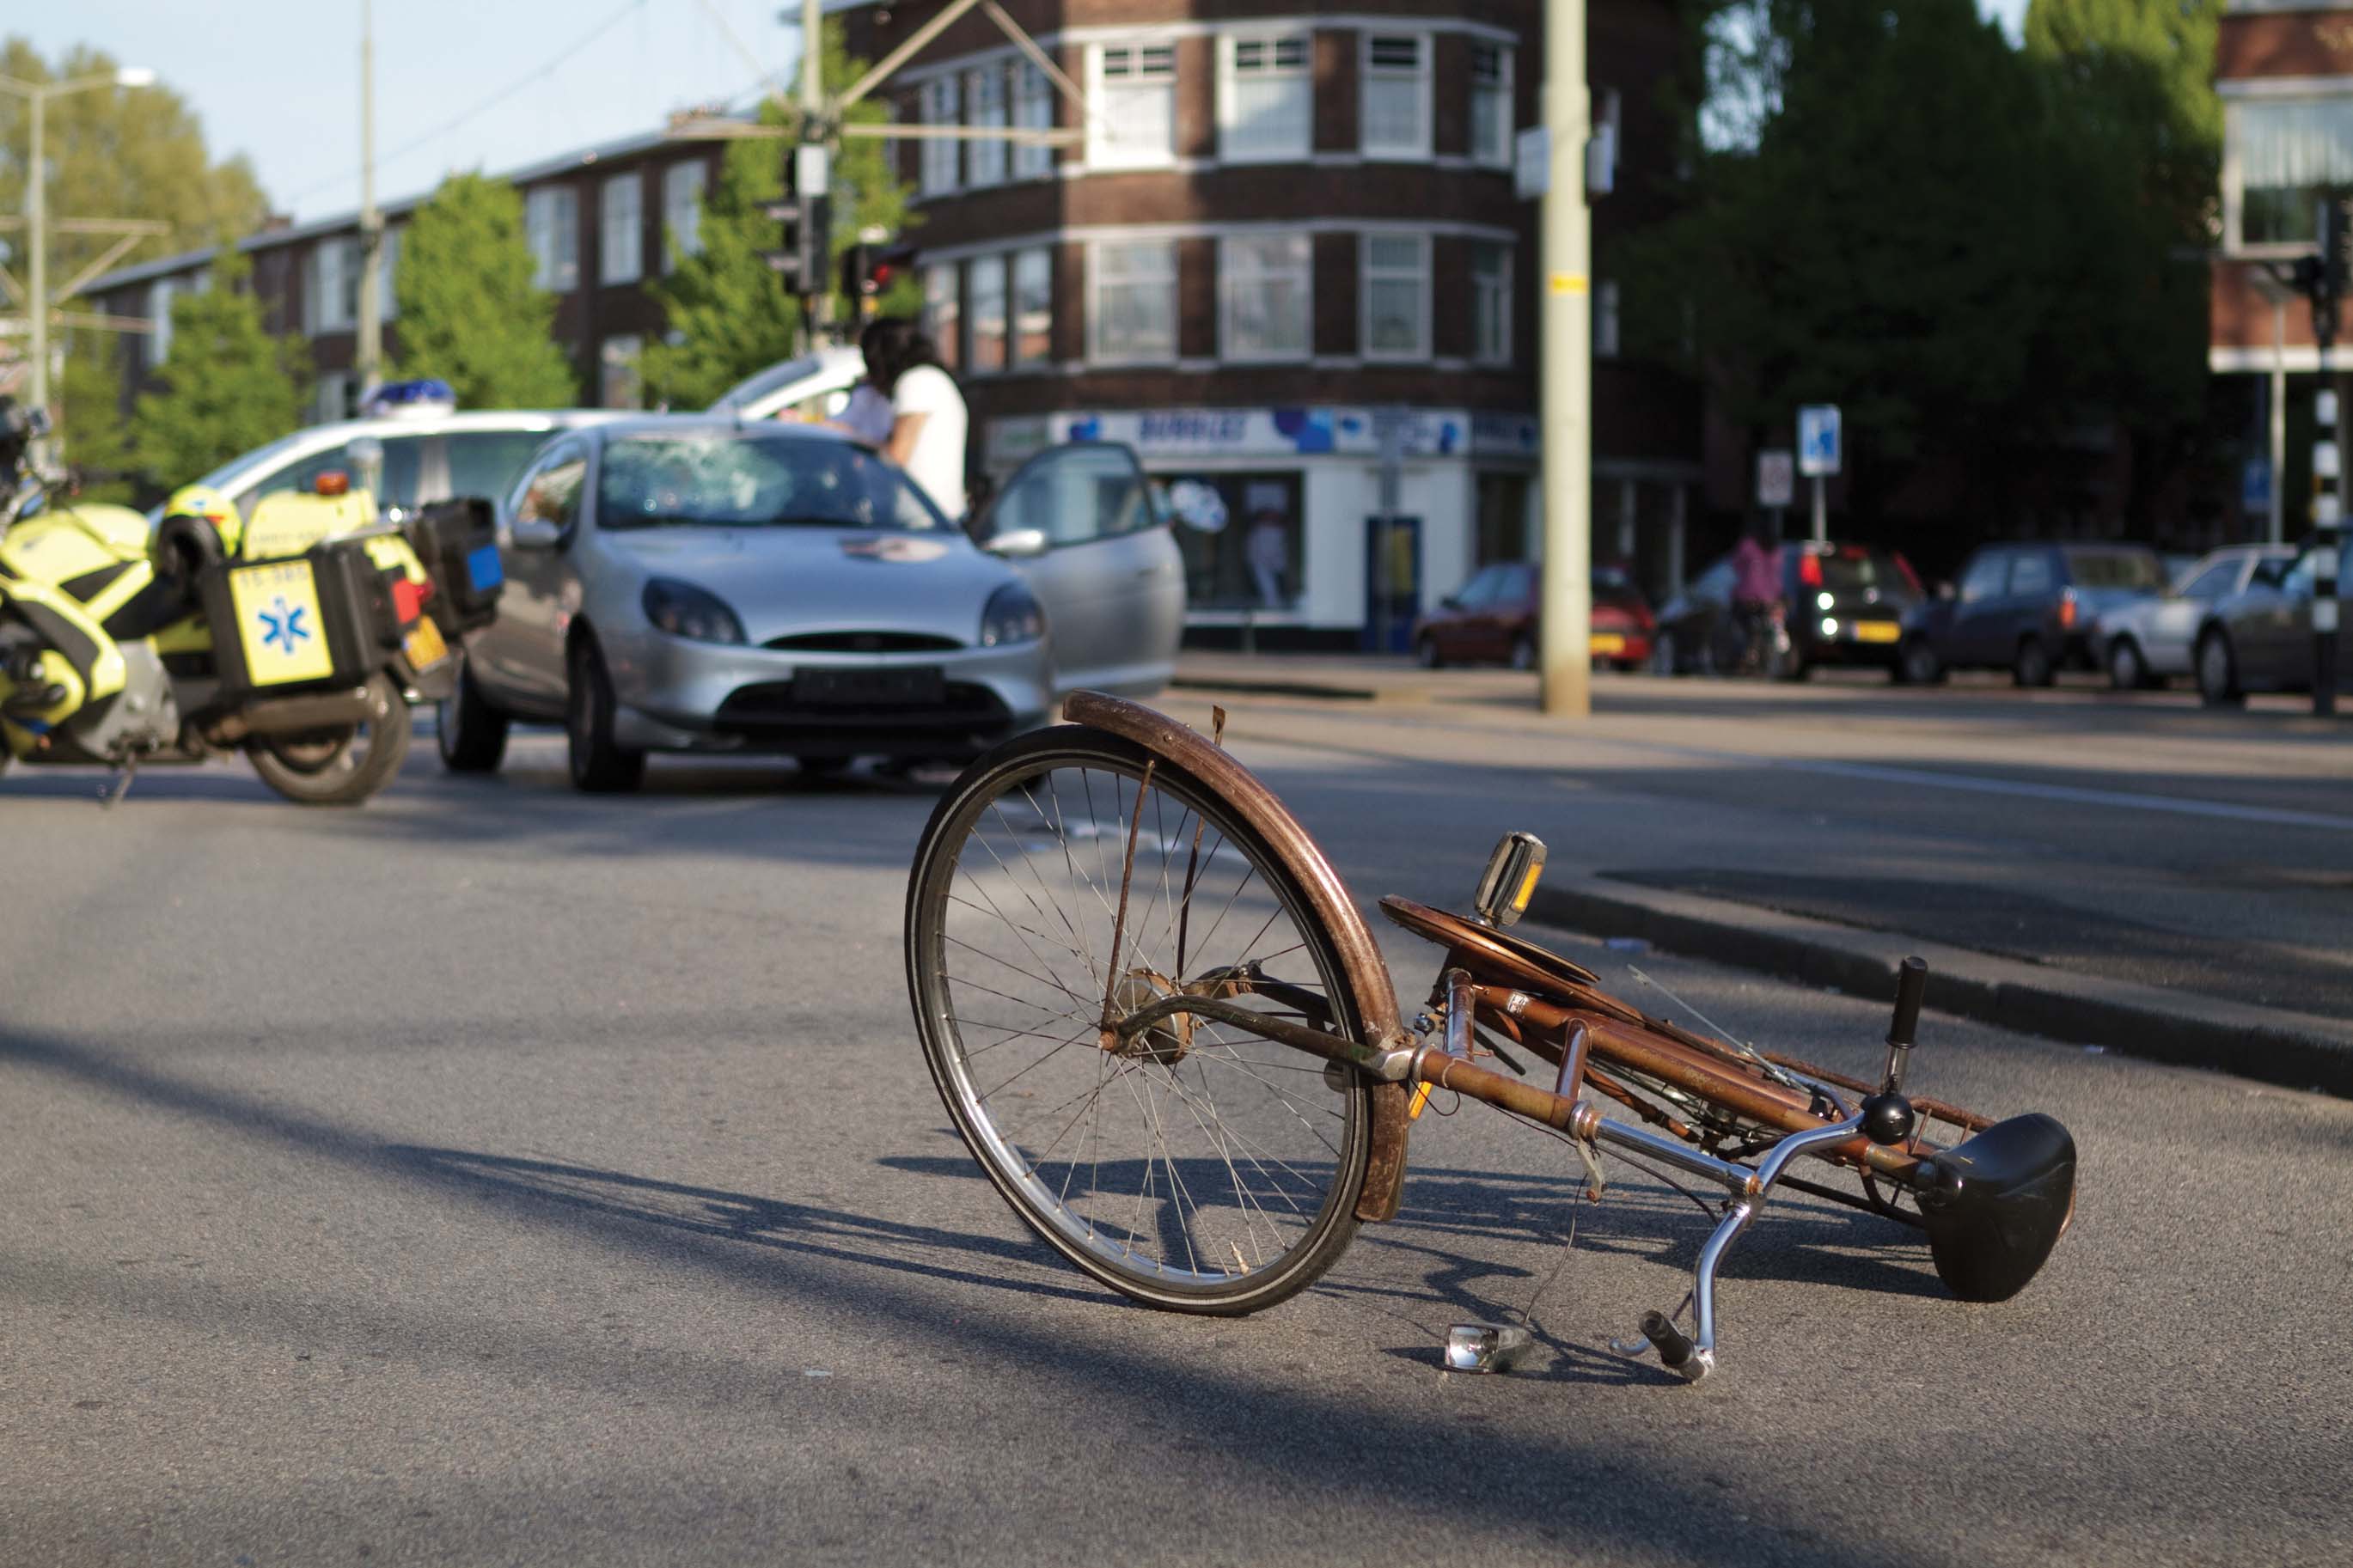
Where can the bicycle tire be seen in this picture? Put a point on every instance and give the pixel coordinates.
(1262, 1201)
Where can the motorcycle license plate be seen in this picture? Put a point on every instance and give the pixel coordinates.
(1876, 631)
(424, 645)
(1608, 642)
(280, 627)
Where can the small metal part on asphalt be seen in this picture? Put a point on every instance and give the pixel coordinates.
(1485, 1347)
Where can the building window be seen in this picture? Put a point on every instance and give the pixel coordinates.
(1491, 302)
(388, 267)
(2290, 154)
(617, 381)
(983, 95)
(943, 312)
(1605, 319)
(1033, 109)
(1491, 105)
(939, 108)
(1134, 91)
(682, 211)
(1033, 307)
(1395, 95)
(160, 294)
(330, 302)
(1265, 99)
(552, 219)
(621, 256)
(987, 284)
(1263, 296)
(1242, 538)
(337, 395)
(1397, 297)
(1132, 302)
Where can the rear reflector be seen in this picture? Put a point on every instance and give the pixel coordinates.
(407, 601)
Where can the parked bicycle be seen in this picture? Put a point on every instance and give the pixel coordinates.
(1163, 1028)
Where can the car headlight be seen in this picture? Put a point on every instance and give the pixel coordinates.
(1012, 616)
(683, 610)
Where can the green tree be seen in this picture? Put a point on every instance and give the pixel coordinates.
(226, 387)
(137, 152)
(729, 308)
(469, 313)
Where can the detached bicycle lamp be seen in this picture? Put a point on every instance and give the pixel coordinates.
(683, 610)
(1510, 879)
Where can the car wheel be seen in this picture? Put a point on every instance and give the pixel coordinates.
(1918, 665)
(1523, 653)
(2031, 667)
(598, 766)
(2127, 671)
(1424, 652)
(470, 734)
(2218, 671)
(1662, 655)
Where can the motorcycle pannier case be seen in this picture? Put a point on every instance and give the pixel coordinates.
(299, 623)
(458, 543)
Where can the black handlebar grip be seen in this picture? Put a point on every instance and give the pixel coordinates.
(1910, 984)
(1673, 1347)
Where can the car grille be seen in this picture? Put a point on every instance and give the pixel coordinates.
(770, 711)
(863, 642)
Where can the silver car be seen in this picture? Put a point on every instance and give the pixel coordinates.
(2148, 640)
(690, 584)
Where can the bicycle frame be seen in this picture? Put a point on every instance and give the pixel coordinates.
(1777, 1108)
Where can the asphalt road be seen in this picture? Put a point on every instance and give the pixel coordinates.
(495, 1174)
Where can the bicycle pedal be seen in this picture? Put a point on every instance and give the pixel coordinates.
(1486, 1347)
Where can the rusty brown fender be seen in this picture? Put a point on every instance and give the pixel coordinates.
(1327, 896)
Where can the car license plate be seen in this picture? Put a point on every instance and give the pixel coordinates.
(912, 684)
(1877, 631)
(1608, 642)
(424, 645)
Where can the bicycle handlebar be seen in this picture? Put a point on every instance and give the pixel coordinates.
(1911, 985)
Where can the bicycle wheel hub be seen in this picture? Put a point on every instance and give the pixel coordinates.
(1165, 1042)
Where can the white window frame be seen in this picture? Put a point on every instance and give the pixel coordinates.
(1229, 73)
(387, 265)
(682, 186)
(1497, 110)
(331, 297)
(1366, 272)
(2235, 168)
(1102, 153)
(1038, 257)
(979, 273)
(1366, 73)
(616, 359)
(621, 229)
(943, 307)
(1230, 277)
(986, 107)
(940, 106)
(1500, 354)
(1097, 352)
(552, 224)
(1033, 109)
(160, 295)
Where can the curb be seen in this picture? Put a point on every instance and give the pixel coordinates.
(2294, 1050)
(1307, 689)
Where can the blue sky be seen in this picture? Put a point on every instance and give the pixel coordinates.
(524, 80)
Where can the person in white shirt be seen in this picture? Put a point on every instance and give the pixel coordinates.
(927, 428)
(868, 416)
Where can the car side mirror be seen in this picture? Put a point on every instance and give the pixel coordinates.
(1018, 542)
(534, 533)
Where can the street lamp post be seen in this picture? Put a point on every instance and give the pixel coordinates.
(37, 204)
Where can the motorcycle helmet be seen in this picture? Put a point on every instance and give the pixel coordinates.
(202, 500)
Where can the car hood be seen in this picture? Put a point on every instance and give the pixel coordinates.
(789, 580)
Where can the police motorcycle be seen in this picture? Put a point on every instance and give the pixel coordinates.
(295, 635)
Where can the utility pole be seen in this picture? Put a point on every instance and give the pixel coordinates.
(368, 357)
(1565, 396)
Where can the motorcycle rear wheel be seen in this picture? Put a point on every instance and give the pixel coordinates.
(340, 767)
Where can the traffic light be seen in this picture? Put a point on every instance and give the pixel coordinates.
(868, 270)
(807, 222)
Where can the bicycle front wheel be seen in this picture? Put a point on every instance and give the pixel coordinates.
(1196, 1166)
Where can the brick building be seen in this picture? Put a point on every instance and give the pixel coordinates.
(595, 220)
(2285, 74)
(1283, 234)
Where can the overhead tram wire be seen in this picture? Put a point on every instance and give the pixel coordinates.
(426, 138)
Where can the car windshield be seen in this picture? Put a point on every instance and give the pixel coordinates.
(755, 479)
(755, 387)
(1857, 568)
(1612, 586)
(2115, 569)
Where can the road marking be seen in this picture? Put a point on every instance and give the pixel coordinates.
(2181, 805)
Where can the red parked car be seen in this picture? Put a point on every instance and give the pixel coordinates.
(1492, 620)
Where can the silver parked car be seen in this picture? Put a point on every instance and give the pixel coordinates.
(2145, 641)
(2260, 638)
(690, 584)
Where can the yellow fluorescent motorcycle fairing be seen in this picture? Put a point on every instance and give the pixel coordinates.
(294, 635)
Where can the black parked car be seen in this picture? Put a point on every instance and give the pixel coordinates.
(1843, 603)
(2260, 638)
(2027, 609)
